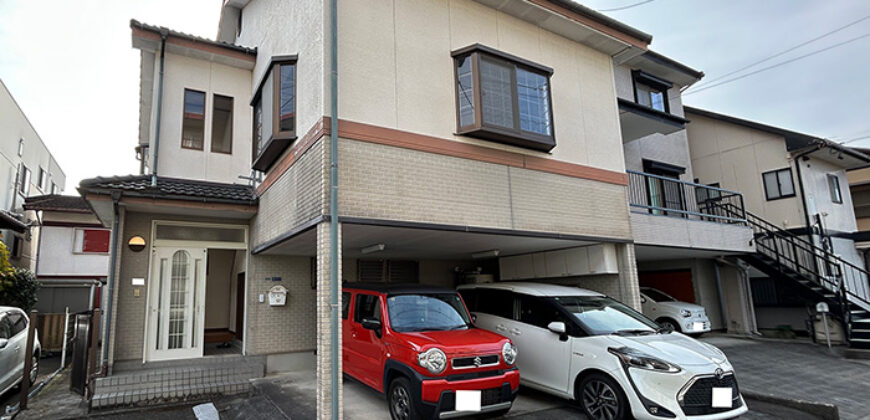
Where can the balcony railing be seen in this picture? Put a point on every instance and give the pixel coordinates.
(663, 196)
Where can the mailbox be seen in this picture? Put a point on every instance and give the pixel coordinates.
(278, 296)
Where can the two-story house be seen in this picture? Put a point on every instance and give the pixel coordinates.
(798, 203)
(27, 168)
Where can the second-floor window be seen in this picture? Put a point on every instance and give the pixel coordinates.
(222, 124)
(91, 241)
(274, 125)
(193, 124)
(834, 187)
(53, 188)
(503, 98)
(651, 91)
(43, 179)
(24, 180)
(778, 184)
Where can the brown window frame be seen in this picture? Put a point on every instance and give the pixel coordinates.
(184, 117)
(515, 136)
(652, 83)
(213, 119)
(263, 157)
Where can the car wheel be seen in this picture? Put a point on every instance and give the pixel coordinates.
(34, 370)
(602, 398)
(671, 325)
(400, 402)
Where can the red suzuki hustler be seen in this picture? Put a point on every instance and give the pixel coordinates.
(418, 345)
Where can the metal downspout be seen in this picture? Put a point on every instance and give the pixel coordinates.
(163, 35)
(110, 287)
(335, 375)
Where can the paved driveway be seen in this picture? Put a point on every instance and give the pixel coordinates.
(800, 370)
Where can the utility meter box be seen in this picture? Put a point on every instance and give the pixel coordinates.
(278, 296)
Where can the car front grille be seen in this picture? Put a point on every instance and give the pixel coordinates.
(475, 361)
(488, 397)
(698, 398)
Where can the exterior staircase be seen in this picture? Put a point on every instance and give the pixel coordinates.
(819, 275)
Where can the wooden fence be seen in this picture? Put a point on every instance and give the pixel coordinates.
(50, 327)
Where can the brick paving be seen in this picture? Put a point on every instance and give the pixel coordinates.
(800, 370)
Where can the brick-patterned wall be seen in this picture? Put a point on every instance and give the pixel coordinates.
(295, 198)
(280, 329)
(626, 258)
(130, 311)
(393, 183)
(324, 395)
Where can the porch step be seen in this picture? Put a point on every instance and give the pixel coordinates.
(177, 382)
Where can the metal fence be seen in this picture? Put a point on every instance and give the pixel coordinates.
(664, 196)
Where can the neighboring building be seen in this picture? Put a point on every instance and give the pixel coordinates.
(859, 187)
(73, 255)
(27, 169)
(798, 203)
(680, 231)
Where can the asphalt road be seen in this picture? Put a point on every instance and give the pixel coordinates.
(46, 367)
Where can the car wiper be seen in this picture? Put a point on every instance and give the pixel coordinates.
(663, 330)
(634, 332)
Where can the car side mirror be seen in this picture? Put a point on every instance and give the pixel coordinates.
(372, 324)
(557, 327)
(473, 318)
(3, 343)
(642, 299)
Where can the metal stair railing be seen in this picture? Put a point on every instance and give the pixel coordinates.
(848, 282)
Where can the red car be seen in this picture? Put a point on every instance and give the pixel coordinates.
(418, 345)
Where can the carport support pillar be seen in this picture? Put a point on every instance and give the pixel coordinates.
(324, 333)
(629, 286)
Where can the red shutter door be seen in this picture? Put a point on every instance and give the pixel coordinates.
(96, 240)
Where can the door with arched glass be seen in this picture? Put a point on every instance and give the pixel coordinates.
(176, 302)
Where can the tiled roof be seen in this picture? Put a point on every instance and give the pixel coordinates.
(172, 188)
(11, 221)
(162, 29)
(67, 203)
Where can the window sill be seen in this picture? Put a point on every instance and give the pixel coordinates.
(271, 152)
(525, 140)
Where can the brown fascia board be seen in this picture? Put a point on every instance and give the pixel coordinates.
(155, 33)
(669, 62)
(597, 21)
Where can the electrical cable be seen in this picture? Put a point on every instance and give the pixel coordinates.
(625, 7)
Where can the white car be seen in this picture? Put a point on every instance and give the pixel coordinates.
(13, 343)
(683, 317)
(617, 363)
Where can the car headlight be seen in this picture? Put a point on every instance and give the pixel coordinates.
(509, 353)
(685, 313)
(638, 359)
(434, 360)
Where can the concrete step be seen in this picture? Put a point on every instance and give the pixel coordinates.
(165, 382)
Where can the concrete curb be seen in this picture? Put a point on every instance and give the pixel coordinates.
(822, 410)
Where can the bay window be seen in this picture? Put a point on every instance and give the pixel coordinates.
(503, 98)
(274, 103)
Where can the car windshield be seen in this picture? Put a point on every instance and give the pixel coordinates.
(427, 312)
(602, 315)
(657, 295)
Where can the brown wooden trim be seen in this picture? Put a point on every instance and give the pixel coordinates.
(598, 26)
(73, 224)
(70, 277)
(202, 46)
(298, 149)
(176, 203)
(407, 140)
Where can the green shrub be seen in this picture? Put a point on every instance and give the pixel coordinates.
(18, 288)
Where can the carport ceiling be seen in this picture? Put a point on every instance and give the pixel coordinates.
(663, 253)
(412, 243)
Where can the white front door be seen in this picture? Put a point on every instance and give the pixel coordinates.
(176, 303)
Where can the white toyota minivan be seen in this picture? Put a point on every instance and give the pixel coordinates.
(615, 362)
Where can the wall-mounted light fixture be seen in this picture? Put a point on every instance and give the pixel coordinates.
(373, 248)
(136, 243)
(486, 254)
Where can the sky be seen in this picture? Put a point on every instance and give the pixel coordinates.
(71, 67)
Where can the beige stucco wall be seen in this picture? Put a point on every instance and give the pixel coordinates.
(657, 230)
(174, 161)
(279, 28)
(396, 71)
(839, 217)
(736, 156)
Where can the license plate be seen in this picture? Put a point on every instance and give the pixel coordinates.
(467, 400)
(698, 326)
(722, 398)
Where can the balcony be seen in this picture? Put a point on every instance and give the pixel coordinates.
(638, 121)
(674, 213)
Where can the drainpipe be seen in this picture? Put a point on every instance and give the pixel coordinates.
(744, 280)
(113, 258)
(335, 377)
(163, 35)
